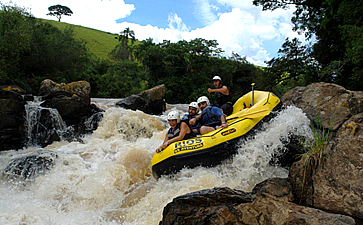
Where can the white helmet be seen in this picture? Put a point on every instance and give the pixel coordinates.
(217, 78)
(174, 115)
(195, 105)
(203, 99)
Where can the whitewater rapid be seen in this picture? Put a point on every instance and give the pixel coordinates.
(107, 179)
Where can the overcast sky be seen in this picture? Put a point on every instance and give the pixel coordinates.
(237, 25)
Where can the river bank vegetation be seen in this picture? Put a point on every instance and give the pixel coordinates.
(32, 50)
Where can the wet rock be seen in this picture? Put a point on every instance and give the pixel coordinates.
(72, 101)
(270, 205)
(338, 184)
(211, 206)
(12, 112)
(81, 89)
(277, 187)
(28, 167)
(149, 101)
(325, 103)
(266, 211)
(14, 88)
(290, 153)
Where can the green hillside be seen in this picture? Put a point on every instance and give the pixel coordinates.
(99, 43)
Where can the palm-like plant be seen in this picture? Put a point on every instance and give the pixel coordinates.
(125, 49)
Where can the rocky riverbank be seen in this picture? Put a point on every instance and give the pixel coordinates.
(321, 190)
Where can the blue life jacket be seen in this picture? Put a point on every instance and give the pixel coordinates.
(176, 132)
(209, 117)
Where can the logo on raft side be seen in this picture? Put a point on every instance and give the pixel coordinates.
(230, 131)
(186, 145)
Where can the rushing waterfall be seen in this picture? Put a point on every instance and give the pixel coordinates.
(107, 179)
(43, 124)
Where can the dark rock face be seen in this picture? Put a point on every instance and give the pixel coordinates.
(12, 112)
(267, 204)
(212, 206)
(149, 101)
(289, 154)
(73, 104)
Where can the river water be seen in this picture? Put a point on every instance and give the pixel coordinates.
(107, 179)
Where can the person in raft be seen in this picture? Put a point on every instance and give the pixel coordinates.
(211, 117)
(222, 96)
(192, 113)
(178, 131)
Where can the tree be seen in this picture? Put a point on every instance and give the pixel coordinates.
(31, 51)
(294, 66)
(59, 10)
(334, 24)
(123, 50)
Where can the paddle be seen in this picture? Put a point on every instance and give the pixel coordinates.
(263, 111)
(253, 96)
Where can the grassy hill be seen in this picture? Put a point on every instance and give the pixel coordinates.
(99, 43)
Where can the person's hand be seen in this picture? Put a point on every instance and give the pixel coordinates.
(158, 150)
(192, 121)
(210, 90)
(224, 125)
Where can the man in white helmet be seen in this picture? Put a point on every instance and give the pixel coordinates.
(211, 117)
(193, 112)
(222, 96)
(179, 130)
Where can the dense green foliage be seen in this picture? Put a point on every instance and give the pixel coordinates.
(336, 54)
(186, 68)
(32, 50)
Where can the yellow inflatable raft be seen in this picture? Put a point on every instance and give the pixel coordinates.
(213, 148)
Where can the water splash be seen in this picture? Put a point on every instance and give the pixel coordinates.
(44, 125)
(107, 179)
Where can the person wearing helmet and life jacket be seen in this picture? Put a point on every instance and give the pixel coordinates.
(222, 96)
(211, 117)
(178, 131)
(192, 113)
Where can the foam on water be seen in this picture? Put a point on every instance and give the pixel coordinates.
(108, 180)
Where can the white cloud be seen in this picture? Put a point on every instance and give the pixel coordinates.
(244, 29)
(205, 12)
(174, 19)
(92, 13)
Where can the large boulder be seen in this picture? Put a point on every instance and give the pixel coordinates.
(149, 101)
(326, 103)
(12, 114)
(269, 203)
(79, 89)
(336, 185)
(72, 102)
(334, 181)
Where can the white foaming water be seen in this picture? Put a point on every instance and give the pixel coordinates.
(108, 180)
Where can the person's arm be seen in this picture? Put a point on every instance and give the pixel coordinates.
(195, 119)
(224, 121)
(162, 145)
(183, 130)
(224, 90)
(221, 116)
